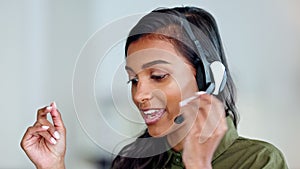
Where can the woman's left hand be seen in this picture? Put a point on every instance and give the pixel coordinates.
(207, 128)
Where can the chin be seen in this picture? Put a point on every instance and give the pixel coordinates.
(157, 132)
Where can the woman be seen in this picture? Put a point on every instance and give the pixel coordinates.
(169, 58)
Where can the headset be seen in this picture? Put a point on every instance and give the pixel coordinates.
(215, 74)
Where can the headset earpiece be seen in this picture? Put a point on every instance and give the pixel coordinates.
(215, 74)
(219, 76)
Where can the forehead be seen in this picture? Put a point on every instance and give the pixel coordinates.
(144, 43)
(147, 50)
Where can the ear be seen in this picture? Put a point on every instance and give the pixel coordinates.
(219, 76)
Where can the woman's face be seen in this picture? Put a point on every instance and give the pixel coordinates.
(160, 77)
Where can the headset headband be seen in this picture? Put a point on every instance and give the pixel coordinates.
(209, 81)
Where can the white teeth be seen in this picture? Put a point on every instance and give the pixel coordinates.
(149, 111)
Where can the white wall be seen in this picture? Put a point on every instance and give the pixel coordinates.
(40, 41)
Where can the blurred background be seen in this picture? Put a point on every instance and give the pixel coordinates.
(40, 42)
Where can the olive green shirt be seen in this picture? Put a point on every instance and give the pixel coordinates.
(236, 152)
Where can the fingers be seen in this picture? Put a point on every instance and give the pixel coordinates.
(56, 118)
(48, 136)
(208, 119)
(42, 113)
(50, 128)
(211, 115)
(34, 133)
(57, 128)
(55, 115)
(45, 139)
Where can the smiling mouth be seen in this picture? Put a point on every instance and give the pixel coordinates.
(151, 116)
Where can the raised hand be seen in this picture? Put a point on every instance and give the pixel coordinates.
(206, 129)
(45, 142)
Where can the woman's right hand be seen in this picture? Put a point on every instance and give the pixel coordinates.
(44, 142)
(206, 127)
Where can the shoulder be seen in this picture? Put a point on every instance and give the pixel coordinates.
(258, 146)
(250, 153)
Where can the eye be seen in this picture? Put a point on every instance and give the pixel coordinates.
(159, 77)
(133, 81)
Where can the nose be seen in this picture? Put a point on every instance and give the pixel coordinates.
(142, 94)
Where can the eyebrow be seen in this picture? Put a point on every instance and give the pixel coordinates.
(146, 65)
(155, 62)
(128, 68)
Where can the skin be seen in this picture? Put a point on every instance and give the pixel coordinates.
(160, 82)
(149, 91)
(179, 84)
(43, 147)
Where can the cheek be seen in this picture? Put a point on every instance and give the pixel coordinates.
(177, 92)
(173, 99)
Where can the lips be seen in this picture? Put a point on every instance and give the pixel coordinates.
(152, 116)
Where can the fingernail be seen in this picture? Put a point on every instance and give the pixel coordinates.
(49, 108)
(54, 104)
(45, 127)
(53, 141)
(56, 135)
(200, 93)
